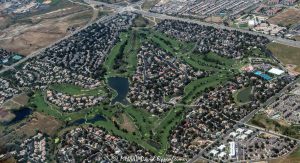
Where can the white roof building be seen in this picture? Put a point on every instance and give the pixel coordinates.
(214, 152)
(276, 71)
(242, 137)
(233, 134)
(248, 132)
(221, 147)
(232, 149)
(240, 130)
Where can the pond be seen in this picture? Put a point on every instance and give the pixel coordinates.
(20, 114)
(97, 117)
(121, 86)
(78, 122)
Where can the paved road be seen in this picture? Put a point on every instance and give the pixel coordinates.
(163, 16)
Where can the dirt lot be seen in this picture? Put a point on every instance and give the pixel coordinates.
(297, 38)
(41, 122)
(36, 122)
(16, 102)
(286, 54)
(127, 123)
(286, 18)
(214, 19)
(28, 34)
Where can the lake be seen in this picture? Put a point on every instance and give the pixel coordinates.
(121, 86)
(20, 114)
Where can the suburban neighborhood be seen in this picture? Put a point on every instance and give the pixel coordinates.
(166, 81)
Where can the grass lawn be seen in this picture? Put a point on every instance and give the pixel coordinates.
(243, 95)
(37, 101)
(286, 54)
(132, 50)
(164, 127)
(296, 153)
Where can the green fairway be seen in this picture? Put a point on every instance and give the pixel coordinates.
(164, 127)
(115, 51)
(197, 87)
(38, 102)
(77, 90)
(151, 128)
(122, 59)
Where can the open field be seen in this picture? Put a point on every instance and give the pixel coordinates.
(261, 120)
(141, 21)
(286, 54)
(30, 33)
(39, 122)
(16, 102)
(126, 123)
(286, 18)
(214, 19)
(297, 38)
(149, 4)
